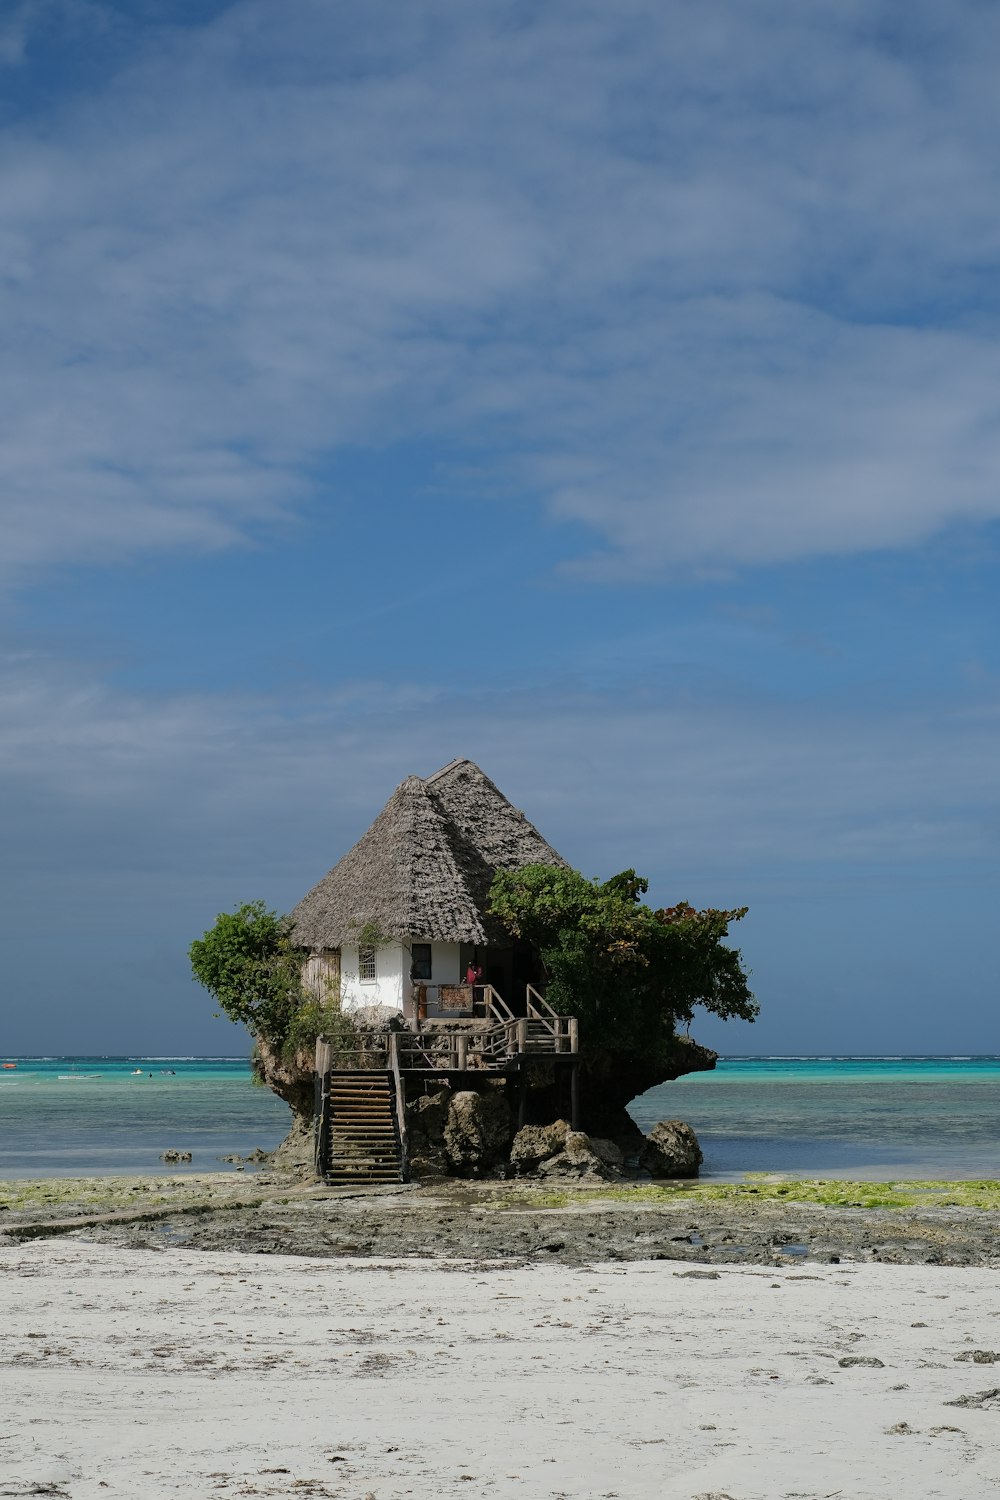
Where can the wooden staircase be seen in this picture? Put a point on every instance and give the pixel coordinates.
(537, 1035)
(363, 1142)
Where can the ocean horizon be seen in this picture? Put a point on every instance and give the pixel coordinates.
(931, 1116)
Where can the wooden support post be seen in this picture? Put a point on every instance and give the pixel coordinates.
(522, 1035)
(574, 1034)
(522, 1100)
(462, 1046)
(574, 1096)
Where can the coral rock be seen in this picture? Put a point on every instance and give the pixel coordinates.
(671, 1150)
(534, 1144)
(477, 1132)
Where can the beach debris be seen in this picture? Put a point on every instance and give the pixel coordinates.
(700, 1275)
(866, 1361)
(901, 1429)
(671, 1150)
(173, 1155)
(977, 1357)
(981, 1400)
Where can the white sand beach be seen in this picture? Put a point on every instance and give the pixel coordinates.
(137, 1373)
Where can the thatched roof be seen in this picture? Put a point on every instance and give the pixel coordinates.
(425, 866)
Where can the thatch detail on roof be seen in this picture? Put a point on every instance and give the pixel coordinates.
(425, 866)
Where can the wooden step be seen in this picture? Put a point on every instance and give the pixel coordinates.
(363, 1145)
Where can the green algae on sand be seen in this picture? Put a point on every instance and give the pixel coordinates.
(983, 1193)
(108, 1194)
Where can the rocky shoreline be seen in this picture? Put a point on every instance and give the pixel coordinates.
(703, 1225)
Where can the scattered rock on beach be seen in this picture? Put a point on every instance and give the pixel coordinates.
(175, 1155)
(866, 1361)
(977, 1357)
(671, 1150)
(981, 1400)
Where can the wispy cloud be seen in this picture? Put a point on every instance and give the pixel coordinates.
(709, 784)
(712, 282)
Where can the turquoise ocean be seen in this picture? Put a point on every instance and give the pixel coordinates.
(870, 1118)
(83, 1116)
(862, 1117)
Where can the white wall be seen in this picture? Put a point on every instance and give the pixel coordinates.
(445, 963)
(392, 968)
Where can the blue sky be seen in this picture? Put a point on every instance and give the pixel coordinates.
(610, 394)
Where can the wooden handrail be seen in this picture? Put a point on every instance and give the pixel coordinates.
(561, 1028)
(538, 1006)
(496, 1006)
(404, 1145)
(509, 1037)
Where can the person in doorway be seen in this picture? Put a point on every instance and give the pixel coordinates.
(474, 973)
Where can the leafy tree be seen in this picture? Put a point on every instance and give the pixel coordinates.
(251, 968)
(630, 973)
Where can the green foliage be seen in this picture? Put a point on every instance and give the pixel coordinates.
(251, 968)
(369, 935)
(630, 973)
(325, 1018)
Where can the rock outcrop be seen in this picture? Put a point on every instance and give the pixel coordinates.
(534, 1144)
(291, 1078)
(297, 1152)
(426, 1118)
(577, 1159)
(671, 1150)
(555, 1151)
(611, 1155)
(477, 1132)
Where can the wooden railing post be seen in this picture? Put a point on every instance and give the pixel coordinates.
(321, 1105)
(522, 1034)
(397, 1077)
(574, 1034)
(462, 1051)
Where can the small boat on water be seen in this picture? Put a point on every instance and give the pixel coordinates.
(6, 1066)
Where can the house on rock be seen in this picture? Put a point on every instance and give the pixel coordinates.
(401, 930)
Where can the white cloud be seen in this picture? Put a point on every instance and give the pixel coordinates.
(98, 781)
(711, 281)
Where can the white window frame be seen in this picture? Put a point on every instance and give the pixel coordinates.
(368, 964)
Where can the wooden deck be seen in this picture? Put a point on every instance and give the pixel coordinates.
(496, 1043)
